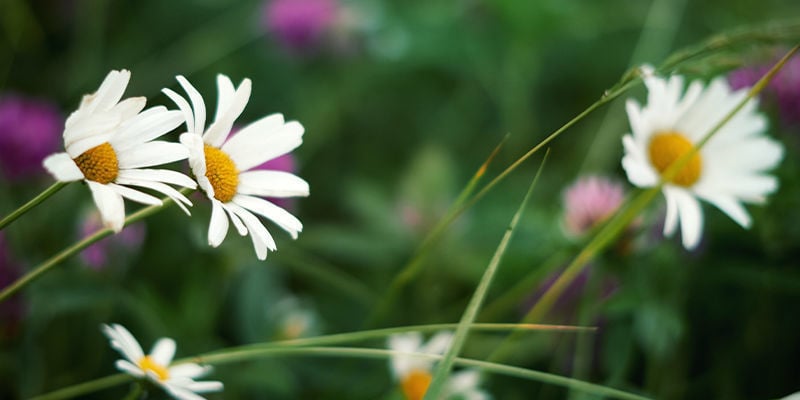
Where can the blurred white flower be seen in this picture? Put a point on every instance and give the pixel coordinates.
(109, 143)
(414, 372)
(178, 381)
(730, 169)
(226, 168)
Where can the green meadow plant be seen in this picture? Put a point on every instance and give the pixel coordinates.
(701, 142)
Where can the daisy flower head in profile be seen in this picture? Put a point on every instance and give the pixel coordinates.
(414, 373)
(225, 165)
(109, 145)
(730, 169)
(179, 380)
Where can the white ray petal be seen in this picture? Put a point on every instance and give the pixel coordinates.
(152, 153)
(237, 222)
(185, 108)
(176, 196)
(188, 370)
(729, 206)
(158, 175)
(129, 108)
(691, 217)
(279, 216)
(262, 240)
(163, 351)
(151, 124)
(219, 130)
(110, 91)
(181, 393)
(135, 195)
(204, 386)
(129, 368)
(123, 341)
(226, 93)
(257, 149)
(272, 184)
(218, 227)
(671, 219)
(62, 167)
(198, 104)
(110, 205)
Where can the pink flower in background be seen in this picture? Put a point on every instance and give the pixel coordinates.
(784, 87)
(299, 24)
(127, 241)
(590, 201)
(30, 129)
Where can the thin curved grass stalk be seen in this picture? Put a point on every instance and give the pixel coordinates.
(327, 340)
(7, 220)
(627, 213)
(75, 248)
(413, 267)
(352, 352)
(446, 365)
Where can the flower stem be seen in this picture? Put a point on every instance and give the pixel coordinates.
(32, 203)
(75, 248)
(86, 387)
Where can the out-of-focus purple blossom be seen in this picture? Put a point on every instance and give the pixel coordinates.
(299, 24)
(30, 130)
(784, 88)
(565, 309)
(590, 201)
(13, 309)
(127, 241)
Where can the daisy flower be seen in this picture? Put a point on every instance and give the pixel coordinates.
(226, 167)
(730, 169)
(109, 143)
(178, 381)
(414, 373)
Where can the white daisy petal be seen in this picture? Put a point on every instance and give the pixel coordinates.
(218, 228)
(671, 219)
(262, 240)
(199, 106)
(278, 215)
(135, 195)
(253, 135)
(691, 217)
(272, 184)
(189, 370)
(123, 341)
(163, 351)
(150, 124)
(185, 108)
(256, 149)
(226, 94)
(62, 167)
(129, 107)
(219, 130)
(129, 368)
(237, 222)
(82, 135)
(110, 205)
(158, 175)
(110, 91)
(731, 207)
(176, 196)
(439, 343)
(181, 393)
(204, 386)
(152, 153)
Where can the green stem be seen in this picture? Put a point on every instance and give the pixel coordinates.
(32, 203)
(86, 387)
(446, 365)
(73, 249)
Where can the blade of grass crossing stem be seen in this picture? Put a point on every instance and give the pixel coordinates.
(410, 270)
(443, 369)
(354, 352)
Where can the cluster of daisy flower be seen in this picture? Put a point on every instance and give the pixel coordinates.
(112, 145)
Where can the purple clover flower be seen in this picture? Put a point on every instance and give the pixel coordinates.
(299, 24)
(97, 256)
(589, 201)
(30, 130)
(784, 89)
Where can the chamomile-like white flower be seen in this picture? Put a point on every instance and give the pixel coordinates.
(730, 169)
(414, 373)
(109, 143)
(225, 166)
(179, 380)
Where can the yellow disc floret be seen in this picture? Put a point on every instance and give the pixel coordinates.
(415, 384)
(666, 148)
(222, 173)
(147, 364)
(99, 164)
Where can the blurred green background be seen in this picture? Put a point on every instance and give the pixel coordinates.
(402, 102)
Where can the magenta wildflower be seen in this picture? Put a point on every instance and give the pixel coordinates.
(784, 89)
(30, 129)
(299, 24)
(127, 241)
(590, 201)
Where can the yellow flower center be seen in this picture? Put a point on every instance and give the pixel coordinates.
(99, 164)
(147, 364)
(222, 173)
(666, 148)
(415, 384)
